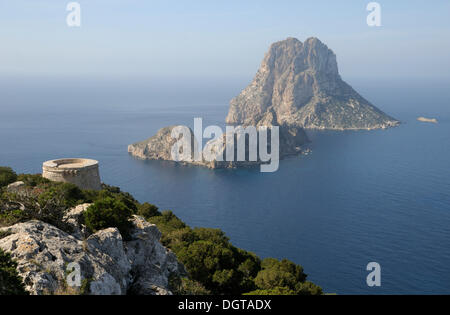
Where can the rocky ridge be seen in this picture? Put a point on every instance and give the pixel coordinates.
(109, 264)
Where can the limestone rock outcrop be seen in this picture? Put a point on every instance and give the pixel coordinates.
(108, 263)
(159, 147)
(298, 84)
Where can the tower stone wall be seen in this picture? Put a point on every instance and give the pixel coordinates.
(82, 172)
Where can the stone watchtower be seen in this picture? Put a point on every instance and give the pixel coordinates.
(81, 172)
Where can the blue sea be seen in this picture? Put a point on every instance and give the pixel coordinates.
(361, 196)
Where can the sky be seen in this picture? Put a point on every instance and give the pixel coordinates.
(222, 39)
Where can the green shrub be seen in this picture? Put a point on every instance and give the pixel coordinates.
(10, 282)
(107, 213)
(46, 202)
(7, 176)
(69, 194)
(186, 286)
(308, 288)
(148, 210)
(208, 256)
(168, 222)
(32, 180)
(221, 268)
(178, 239)
(274, 291)
(203, 259)
(285, 274)
(11, 217)
(49, 201)
(215, 236)
(41, 200)
(91, 196)
(279, 274)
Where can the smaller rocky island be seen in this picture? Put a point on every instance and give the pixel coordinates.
(427, 120)
(291, 140)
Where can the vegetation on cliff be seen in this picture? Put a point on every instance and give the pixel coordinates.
(7, 176)
(213, 264)
(222, 268)
(109, 212)
(10, 282)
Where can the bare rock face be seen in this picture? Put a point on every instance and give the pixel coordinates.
(298, 84)
(74, 219)
(14, 187)
(151, 262)
(158, 147)
(108, 264)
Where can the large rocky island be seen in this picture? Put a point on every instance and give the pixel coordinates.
(298, 84)
(297, 87)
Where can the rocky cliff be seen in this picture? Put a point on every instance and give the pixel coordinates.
(298, 84)
(109, 264)
(159, 147)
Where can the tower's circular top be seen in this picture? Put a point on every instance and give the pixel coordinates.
(71, 163)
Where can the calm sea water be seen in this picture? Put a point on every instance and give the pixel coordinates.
(380, 196)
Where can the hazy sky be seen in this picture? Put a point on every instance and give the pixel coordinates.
(203, 38)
